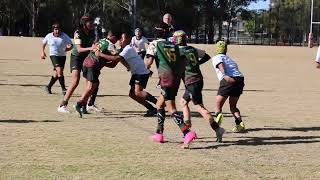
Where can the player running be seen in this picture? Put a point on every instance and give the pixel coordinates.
(59, 43)
(138, 42)
(193, 81)
(83, 43)
(231, 85)
(171, 68)
(139, 75)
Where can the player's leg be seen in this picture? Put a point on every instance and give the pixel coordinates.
(92, 80)
(161, 116)
(54, 77)
(75, 67)
(186, 109)
(60, 75)
(237, 90)
(91, 104)
(89, 86)
(169, 95)
(138, 83)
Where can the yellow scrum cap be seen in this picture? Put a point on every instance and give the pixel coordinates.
(221, 47)
(179, 37)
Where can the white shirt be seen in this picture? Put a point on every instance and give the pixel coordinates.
(140, 44)
(135, 61)
(57, 44)
(318, 55)
(152, 48)
(230, 66)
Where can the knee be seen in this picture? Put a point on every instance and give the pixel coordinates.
(183, 102)
(138, 93)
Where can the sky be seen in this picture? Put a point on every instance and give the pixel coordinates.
(259, 5)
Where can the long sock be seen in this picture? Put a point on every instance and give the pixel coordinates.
(94, 96)
(64, 103)
(161, 114)
(214, 125)
(62, 83)
(237, 120)
(178, 119)
(151, 98)
(148, 106)
(52, 81)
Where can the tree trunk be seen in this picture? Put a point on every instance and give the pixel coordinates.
(210, 28)
(220, 31)
(34, 16)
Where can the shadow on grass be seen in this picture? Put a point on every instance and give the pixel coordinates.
(260, 141)
(302, 129)
(3, 59)
(23, 85)
(245, 90)
(26, 121)
(31, 75)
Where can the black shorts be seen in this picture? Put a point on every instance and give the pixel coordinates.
(140, 79)
(76, 63)
(194, 92)
(58, 61)
(91, 73)
(169, 93)
(231, 89)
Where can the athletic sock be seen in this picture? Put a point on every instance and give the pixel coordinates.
(52, 81)
(148, 106)
(62, 83)
(238, 120)
(188, 123)
(151, 98)
(94, 96)
(64, 103)
(161, 114)
(214, 125)
(178, 119)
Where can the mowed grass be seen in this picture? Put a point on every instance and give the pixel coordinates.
(279, 105)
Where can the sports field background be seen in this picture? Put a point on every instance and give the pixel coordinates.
(280, 106)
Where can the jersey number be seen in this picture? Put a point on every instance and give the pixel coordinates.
(171, 53)
(191, 57)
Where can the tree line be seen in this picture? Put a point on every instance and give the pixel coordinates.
(285, 20)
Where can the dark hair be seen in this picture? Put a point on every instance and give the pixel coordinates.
(55, 25)
(84, 19)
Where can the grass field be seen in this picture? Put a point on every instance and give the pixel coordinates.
(280, 106)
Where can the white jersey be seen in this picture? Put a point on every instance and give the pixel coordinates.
(139, 44)
(230, 66)
(135, 61)
(318, 56)
(57, 44)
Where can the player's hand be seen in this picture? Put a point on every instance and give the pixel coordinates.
(229, 79)
(43, 55)
(68, 47)
(94, 46)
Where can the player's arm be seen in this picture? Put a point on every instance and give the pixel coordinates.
(78, 42)
(204, 57)
(229, 79)
(150, 55)
(68, 41)
(148, 61)
(107, 57)
(124, 63)
(318, 59)
(44, 44)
